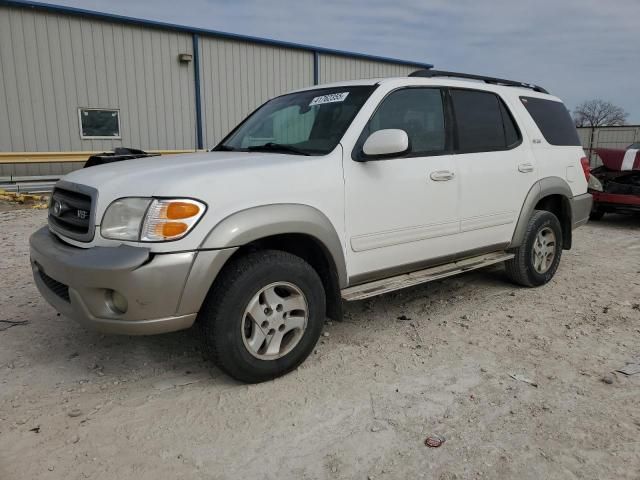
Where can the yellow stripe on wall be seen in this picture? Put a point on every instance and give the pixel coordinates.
(46, 157)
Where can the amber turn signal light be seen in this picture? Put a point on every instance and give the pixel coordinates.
(178, 210)
(171, 229)
(170, 219)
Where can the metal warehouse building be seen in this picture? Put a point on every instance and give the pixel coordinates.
(74, 82)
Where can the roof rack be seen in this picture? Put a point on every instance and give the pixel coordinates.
(494, 81)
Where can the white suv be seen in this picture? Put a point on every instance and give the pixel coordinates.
(340, 191)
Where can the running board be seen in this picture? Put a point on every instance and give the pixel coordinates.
(371, 289)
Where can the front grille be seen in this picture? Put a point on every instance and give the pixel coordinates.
(60, 289)
(70, 213)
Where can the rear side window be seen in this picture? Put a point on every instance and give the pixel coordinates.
(553, 120)
(483, 122)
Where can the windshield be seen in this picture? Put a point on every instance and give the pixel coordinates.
(304, 123)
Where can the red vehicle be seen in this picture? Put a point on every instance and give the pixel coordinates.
(615, 185)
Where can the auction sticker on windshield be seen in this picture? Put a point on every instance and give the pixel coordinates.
(331, 98)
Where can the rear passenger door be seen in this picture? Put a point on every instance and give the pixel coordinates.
(495, 169)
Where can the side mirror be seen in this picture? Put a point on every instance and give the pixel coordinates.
(384, 143)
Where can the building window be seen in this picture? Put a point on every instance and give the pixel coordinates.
(99, 123)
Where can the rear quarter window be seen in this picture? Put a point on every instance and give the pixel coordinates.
(553, 120)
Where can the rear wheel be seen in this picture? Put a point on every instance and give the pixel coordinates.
(537, 259)
(263, 315)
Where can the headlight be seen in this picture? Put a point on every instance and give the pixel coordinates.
(123, 218)
(594, 183)
(150, 219)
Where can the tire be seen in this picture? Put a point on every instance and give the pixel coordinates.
(596, 214)
(279, 287)
(525, 268)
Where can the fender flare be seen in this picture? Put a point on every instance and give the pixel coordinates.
(542, 188)
(254, 223)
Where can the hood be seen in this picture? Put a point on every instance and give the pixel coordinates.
(177, 175)
(227, 182)
(619, 159)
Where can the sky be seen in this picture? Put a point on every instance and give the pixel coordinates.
(577, 49)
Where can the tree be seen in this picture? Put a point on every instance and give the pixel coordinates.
(598, 113)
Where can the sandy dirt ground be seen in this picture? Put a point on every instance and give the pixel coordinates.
(431, 360)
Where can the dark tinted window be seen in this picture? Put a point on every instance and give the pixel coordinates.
(417, 111)
(511, 133)
(553, 120)
(483, 122)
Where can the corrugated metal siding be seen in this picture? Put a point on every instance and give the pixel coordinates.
(50, 65)
(334, 68)
(236, 77)
(54, 169)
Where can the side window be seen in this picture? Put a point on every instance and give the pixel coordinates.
(553, 120)
(483, 122)
(417, 111)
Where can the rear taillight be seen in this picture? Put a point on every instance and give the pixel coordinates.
(586, 167)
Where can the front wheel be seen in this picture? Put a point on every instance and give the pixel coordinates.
(537, 259)
(263, 315)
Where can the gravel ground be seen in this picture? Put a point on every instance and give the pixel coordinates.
(431, 360)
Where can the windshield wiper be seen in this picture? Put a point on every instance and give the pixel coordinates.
(277, 147)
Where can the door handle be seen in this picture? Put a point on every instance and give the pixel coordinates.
(442, 176)
(525, 167)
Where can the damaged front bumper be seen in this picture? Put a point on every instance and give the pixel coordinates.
(615, 202)
(615, 191)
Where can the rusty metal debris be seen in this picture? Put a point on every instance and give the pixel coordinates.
(434, 441)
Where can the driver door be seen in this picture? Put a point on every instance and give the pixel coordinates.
(402, 212)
